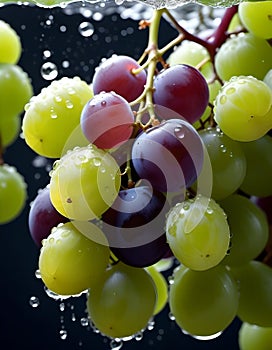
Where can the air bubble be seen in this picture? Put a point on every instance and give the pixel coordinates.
(84, 321)
(62, 306)
(86, 29)
(34, 301)
(47, 53)
(49, 71)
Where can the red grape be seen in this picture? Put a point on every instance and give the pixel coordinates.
(107, 120)
(183, 89)
(115, 74)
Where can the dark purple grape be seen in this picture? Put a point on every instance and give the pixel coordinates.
(43, 216)
(183, 89)
(115, 74)
(169, 156)
(265, 203)
(134, 226)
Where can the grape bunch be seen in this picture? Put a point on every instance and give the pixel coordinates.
(15, 91)
(164, 158)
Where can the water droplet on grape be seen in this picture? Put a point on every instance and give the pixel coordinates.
(139, 336)
(171, 316)
(34, 301)
(69, 104)
(84, 321)
(151, 325)
(230, 91)
(223, 148)
(209, 211)
(38, 274)
(97, 162)
(179, 132)
(49, 71)
(86, 29)
(223, 99)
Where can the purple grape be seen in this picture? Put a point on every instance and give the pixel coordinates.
(115, 74)
(43, 217)
(265, 203)
(169, 156)
(183, 89)
(134, 226)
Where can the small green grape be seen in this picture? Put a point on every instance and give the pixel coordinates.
(69, 262)
(123, 303)
(10, 44)
(243, 108)
(198, 233)
(13, 193)
(203, 302)
(84, 183)
(256, 17)
(252, 337)
(15, 90)
(55, 111)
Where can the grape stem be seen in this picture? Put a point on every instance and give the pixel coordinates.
(154, 55)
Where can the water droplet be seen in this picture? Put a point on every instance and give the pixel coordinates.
(139, 336)
(171, 280)
(69, 104)
(103, 103)
(53, 114)
(34, 301)
(171, 316)
(223, 99)
(97, 162)
(151, 325)
(86, 29)
(84, 321)
(230, 91)
(46, 54)
(116, 344)
(63, 334)
(73, 317)
(38, 274)
(209, 211)
(179, 132)
(49, 71)
(62, 306)
(223, 148)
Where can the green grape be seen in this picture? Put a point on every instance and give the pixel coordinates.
(13, 193)
(69, 262)
(161, 288)
(203, 302)
(249, 229)
(9, 129)
(228, 162)
(256, 17)
(84, 183)
(55, 111)
(123, 303)
(198, 233)
(15, 90)
(268, 78)
(10, 44)
(243, 108)
(255, 285)
(244, 54)
(252, 337)
(257, 181)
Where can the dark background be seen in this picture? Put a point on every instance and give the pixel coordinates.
(21, 325)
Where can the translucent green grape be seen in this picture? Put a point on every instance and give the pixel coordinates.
(203, 302)
(13, 193)
(84, 183)
(248, 227)
(198, 233)
(10, 44)
(69, 262)
(243, 54)
(255, 284)
(228, 162)
(124, 302)
(252, 337)
(256, 17)
(55, 111)
(161, 288)
(257, 181)
(243, 108)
